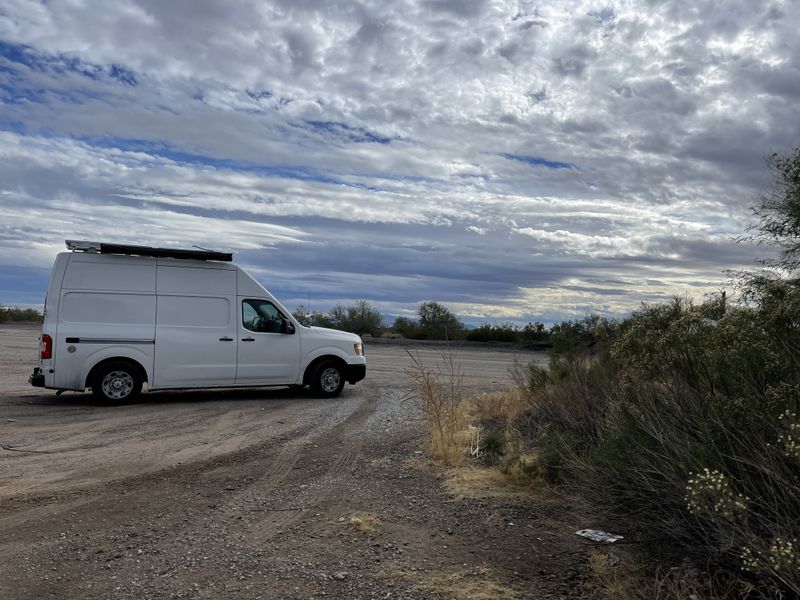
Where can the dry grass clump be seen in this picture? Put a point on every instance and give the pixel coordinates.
(617, 575)
(610, 579)
(479, 428)
(463, 584)
(365, 522)
(441, 389)
(485, 482)
(502, 407)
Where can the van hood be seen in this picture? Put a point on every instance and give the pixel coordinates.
(334, 333)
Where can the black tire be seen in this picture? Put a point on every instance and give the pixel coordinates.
(328, 379)
(117, 383)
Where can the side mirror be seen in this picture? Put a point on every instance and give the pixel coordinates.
(288, 327)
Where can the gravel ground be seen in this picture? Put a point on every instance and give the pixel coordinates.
(253, 494)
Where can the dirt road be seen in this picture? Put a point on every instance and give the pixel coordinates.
(255, 494)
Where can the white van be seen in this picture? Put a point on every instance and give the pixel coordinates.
(119, 316)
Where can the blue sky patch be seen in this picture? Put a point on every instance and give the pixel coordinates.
(23, 285)
(259, 94)
(18, 53)
(160, 150)
(538, 161)
(352, 134)
(604, 15)
(61, 63)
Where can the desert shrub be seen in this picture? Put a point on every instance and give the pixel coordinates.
(568, 412)
(575, 337)
(686, 425)
(683, 420)
(493, 442)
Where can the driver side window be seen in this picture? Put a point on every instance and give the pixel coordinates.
(261, 316)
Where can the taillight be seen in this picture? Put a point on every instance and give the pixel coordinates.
(46, 346)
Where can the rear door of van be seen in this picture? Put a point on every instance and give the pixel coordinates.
(195, 325)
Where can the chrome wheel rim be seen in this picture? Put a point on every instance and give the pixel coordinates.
(330, 379)
(117, 385)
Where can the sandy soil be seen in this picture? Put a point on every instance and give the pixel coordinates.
(258, 494)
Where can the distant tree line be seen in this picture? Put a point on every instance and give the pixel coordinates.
(361, 318)
(434, 321)
(12, 313)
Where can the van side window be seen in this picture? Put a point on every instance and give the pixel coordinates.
(262, 316)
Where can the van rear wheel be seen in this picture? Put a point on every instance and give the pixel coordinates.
(116, 383)
(328, 380)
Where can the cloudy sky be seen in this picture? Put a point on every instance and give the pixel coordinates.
(515, 160)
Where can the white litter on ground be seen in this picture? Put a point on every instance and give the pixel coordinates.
(599, 536)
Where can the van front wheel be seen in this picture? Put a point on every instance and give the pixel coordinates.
(328, 380)
(116, 383)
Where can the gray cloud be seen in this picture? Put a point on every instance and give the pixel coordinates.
(459, 8)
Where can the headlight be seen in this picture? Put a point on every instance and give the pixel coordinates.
(358, 348)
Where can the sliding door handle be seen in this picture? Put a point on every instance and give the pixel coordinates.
(226, 339)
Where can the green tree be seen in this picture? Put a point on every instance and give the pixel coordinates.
(439, 323)
(779, 211)
(408, 328)
(403, 324)
(337, 318)
(535, 332)
(363, 318)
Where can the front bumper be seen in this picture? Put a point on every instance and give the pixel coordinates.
(355, 373)
(36, 378)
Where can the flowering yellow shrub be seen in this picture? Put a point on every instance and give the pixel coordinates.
(710, 491)
(782, 557)
(789, 440)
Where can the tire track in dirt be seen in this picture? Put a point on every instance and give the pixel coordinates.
(277, 519)
(211, 473)
(216, 490)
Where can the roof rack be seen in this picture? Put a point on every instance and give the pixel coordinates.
(104, 248)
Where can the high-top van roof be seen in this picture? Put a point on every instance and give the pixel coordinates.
(106, 248)
(136, 270)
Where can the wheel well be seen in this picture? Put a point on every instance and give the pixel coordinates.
(102, 363)
(312, 366)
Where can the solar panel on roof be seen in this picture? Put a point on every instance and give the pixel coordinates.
(106, 248)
